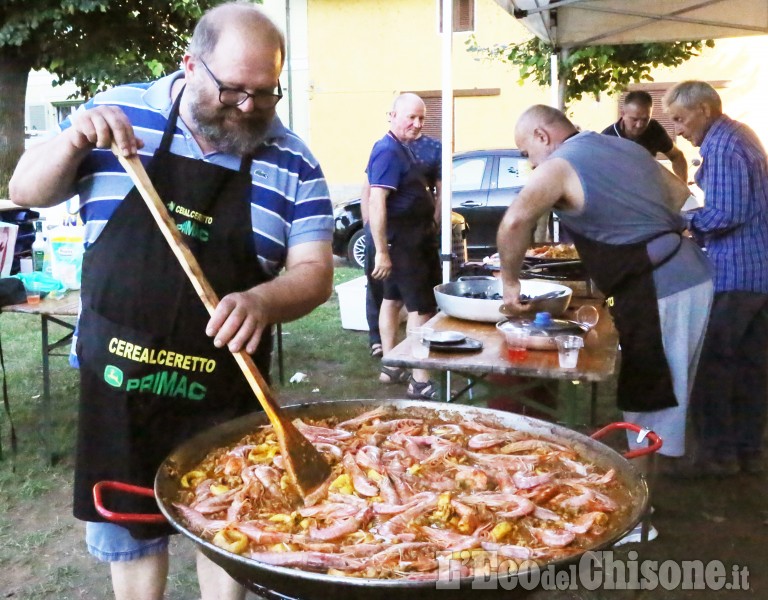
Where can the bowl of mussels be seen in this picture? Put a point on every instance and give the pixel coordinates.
(480, 298)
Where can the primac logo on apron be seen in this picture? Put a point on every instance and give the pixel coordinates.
(169, 382)
(196, 225)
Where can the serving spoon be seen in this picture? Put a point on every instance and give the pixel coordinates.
(305, 465)
(528, 301)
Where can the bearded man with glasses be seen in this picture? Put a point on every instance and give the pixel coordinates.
(251, 202)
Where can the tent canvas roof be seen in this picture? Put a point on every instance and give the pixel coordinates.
(565, 23)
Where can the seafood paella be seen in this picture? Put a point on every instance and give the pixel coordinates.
(406, 492)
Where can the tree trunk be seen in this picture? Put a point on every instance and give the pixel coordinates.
(14, 73)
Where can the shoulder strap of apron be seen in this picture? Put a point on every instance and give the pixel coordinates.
(170, 130)
(411, 159)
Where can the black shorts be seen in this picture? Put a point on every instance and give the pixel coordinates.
(415, 269)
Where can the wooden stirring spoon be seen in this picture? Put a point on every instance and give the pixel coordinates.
(305, 465)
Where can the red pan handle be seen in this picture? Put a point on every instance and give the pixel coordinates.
(117, 517)
(655, 440)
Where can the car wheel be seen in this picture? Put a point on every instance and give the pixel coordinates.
(356, 249)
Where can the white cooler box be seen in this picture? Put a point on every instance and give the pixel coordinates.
(352, 304)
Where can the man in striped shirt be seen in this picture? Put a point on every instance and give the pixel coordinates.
(728, 403)
(249, 200)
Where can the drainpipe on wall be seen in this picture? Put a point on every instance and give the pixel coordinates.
(289, 62)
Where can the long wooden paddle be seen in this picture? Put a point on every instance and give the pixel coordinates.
(305, 465)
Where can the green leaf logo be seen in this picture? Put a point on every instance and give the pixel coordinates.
(113, 376)
(171, 207)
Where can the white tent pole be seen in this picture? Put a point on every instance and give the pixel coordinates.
(554, 80)
(447, 137)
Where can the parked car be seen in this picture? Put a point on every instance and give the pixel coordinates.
(348, 235)
(484, 183)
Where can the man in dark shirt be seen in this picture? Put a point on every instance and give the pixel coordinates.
(637, 125)
(428, 153)
(402, 211)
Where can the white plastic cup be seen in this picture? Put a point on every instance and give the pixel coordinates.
(568, 347)
(419, 341)
(517, 344)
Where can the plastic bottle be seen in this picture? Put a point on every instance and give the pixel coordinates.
(38, 247)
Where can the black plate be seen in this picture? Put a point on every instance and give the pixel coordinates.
(554, 271)
(468, 345)
(445, 338)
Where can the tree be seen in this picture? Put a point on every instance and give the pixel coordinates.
(590, 69)
(95, 43)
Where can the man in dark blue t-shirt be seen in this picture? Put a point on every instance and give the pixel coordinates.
(402, 211)
(428, 152)
(637, 125)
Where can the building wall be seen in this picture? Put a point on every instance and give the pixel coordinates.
(365, 52)
(350, 58)
(40, 115)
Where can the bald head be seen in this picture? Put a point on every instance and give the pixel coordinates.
(242, 18)
(407, 117)
(540, 130)
(406, 102)
(547, 118)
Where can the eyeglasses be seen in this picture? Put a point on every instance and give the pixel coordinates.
(263, 99)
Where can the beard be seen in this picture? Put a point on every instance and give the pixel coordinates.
(227, 128)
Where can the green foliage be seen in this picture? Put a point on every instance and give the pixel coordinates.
(590, 69)
(100, 43)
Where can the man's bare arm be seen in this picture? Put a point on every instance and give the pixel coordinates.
(365, 199)
(377, 211)
(679, 164)
(438, 202)
(551, 183)
(45, 174)
(241, 317)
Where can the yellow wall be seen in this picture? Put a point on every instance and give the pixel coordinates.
(364, 52)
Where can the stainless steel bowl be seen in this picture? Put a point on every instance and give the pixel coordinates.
(456, 298)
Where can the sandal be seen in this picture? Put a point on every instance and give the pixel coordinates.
(421, 390)
(376, 350)
(393, 375)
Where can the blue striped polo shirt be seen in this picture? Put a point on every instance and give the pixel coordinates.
(290, 202)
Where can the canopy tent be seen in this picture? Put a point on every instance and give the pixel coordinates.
(571, 23)
(565, 23)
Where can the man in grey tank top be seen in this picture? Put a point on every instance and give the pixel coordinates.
(622, 209)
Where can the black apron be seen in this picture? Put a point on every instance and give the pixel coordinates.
(414, 228)
(150, 377)
(624, 273)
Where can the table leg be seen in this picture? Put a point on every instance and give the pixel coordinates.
(280, 371)
(571, 402)
(47, 350)
(45, 430)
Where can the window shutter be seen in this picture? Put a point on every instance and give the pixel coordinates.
(36, 117)
(463, 15)
(433, 125)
